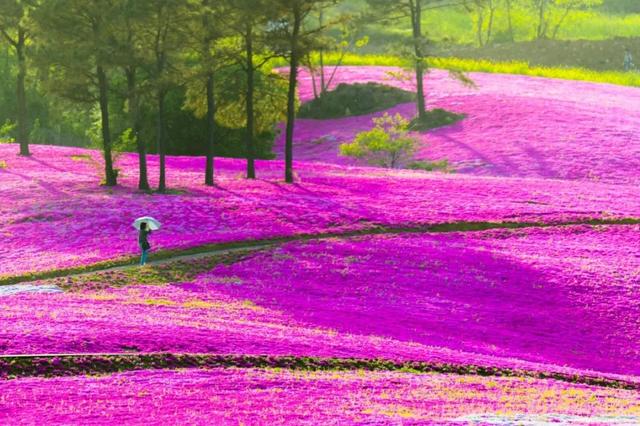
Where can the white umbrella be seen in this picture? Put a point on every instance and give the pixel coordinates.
(152, 223)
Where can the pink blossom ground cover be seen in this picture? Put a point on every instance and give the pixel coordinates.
(54, 214)
(269, 397)
(566, 296)
(516, 126)
(561, 299)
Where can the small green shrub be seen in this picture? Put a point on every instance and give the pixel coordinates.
(388, 144)
(6, 131)
(355, 99)
(430, 166)
(435, 118)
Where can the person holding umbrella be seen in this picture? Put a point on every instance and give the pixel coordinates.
(145, 225)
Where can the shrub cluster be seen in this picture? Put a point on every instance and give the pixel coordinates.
(355, 99)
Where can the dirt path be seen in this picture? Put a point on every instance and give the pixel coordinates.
(35, 287)
(169, 256)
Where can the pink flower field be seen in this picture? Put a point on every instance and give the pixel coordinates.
(268, 397)
(76, 222)
(516, 126)
(520, 272)
(555, 299)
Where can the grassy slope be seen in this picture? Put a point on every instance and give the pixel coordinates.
(597, 55)
(490, 66)
(458, 27)
(594, 41)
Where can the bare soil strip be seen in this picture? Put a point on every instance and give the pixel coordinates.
(56, 365)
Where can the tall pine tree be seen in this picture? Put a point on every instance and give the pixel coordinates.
(76, 51)
(165, 29)
(247, 22)
(294, 41)
(130, 57)
(207, 32)
(415, 11)
(15, 30)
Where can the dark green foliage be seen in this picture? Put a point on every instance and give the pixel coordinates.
(435, 118)
(430, 166)
(75, 365)
(621, 6)
(6, 85)
(355, 99)
(51, 121)
(187, 134)
(230, 142)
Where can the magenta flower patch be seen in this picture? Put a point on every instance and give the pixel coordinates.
(516, 126)
(269, 397)
(554, 299)
(54, 214)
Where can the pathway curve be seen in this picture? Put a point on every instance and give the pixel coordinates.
(164, 257)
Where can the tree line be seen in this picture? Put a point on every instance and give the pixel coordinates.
(95, 51)
(548, 16)
(130, 56)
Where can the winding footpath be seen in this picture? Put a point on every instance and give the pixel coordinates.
(49, 365)
(168, 256)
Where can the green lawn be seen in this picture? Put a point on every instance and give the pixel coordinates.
(458, 27)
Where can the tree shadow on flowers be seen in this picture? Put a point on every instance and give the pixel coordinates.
(44, 184)
(435, 291)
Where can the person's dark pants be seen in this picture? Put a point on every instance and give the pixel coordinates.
(143, 257)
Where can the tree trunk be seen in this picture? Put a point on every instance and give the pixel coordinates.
(416, 18)
(110, 175)
(323, 82)
(541, 20)
(479, 26)
(211, 105)
(21, 98)
(312, 74)
(510, 22)
(134, 124)
(291, 95)
(211, 126)
(492, 12)
(560, 22)
(251, 167)
(162, 182)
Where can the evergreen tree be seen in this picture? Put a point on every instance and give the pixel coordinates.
(392, 10)
(207, 32)
(131, 59)
(247, 22)
(167, 20)
(15, 30)
(294, 42)
(76, 52)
